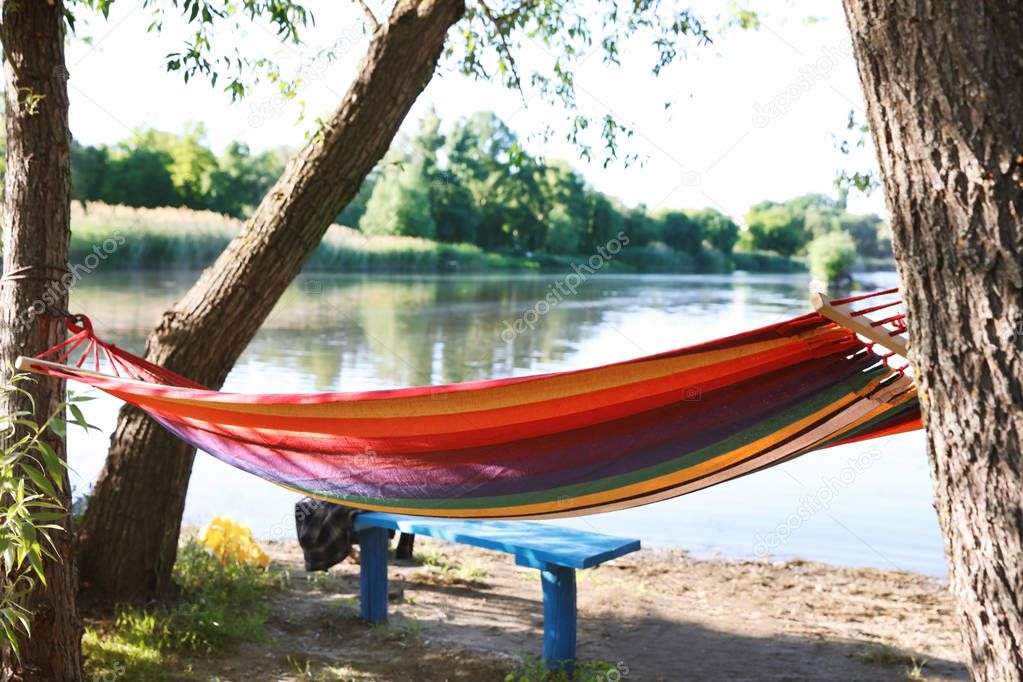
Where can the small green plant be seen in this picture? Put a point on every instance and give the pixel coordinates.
(832, 256)
(915, 669)
(887, 655)
(407, 631)
(131, 649)
(31, 483)
(329, 583)
(533, 669)
(304, 671)
(217, 604)
(346, 604)
(445, 571)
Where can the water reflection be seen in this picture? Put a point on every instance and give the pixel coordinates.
(356, 332)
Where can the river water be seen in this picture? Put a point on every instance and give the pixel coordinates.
(865, 504)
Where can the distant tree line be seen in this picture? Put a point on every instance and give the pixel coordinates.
(475, 183)
(154, 168)
(819, 226)
(789, 227)
(468, 182)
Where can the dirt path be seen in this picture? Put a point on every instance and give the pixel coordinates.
(466, 614)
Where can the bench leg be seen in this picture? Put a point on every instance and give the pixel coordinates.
(373, 574)
(405, 548)
(559, 617)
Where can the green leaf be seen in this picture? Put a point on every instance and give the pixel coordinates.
(36, 560)
(11, 640)
(55, 466)
(28, 531)
(59, 427)
(39, 479)
(42, 518)
(76, 412)
(10, 556)
(47, 504)
(23, 621)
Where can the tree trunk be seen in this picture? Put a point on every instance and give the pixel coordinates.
(944, 89)
(36, 231)
(129, 535)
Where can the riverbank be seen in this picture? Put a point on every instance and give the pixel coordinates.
(459, 613)
(126, 238)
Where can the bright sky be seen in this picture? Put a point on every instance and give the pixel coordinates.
(753, 116)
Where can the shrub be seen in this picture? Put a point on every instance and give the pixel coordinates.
(218, 604)
(656, 257)
(681, 232)
(141, 238)
(712, 260)
(719, 230)
(776, 227)
(832, 256)
(760, 261)
(533, 669)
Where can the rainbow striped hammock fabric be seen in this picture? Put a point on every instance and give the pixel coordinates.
(562, 444)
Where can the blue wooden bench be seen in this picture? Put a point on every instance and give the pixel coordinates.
(555, 551)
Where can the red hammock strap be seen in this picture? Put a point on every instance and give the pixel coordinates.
(853, 299)
(887, 320)
(69, 350)
(88, 349)
(73, 341)
(875, 308)
(102, 355)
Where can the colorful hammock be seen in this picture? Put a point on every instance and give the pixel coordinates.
(562, 444)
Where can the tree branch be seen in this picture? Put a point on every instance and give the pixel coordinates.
(503, 46)
(369, 15)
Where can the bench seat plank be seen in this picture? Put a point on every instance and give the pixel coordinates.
(532, 544)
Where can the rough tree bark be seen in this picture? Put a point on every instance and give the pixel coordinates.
(128, 537)
(36, 230)
(944, 90)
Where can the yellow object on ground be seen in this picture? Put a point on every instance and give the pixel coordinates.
(231, 541)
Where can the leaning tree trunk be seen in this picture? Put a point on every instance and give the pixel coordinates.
(36, 230)
(944, 89)
(129, 535)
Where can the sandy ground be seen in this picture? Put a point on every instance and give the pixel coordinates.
(458, 613)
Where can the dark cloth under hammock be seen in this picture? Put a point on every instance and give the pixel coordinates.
(326, 533)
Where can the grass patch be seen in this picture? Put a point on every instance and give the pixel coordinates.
(125, 238)
(532, 669)
(408, 631)
(306, 671)
(127, 648)
(331, 583)
(442, 570)
(889, 656)
(217, 605)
